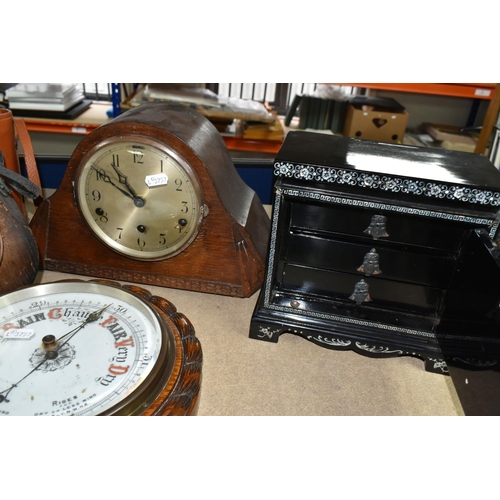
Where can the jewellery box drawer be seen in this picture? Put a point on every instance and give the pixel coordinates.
(382, 293)
(430, 268)
(373, 224)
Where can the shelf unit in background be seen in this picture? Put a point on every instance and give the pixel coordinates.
(60, 127)
(476, 91)
(489, 122)
(465, 90)
(96, 116)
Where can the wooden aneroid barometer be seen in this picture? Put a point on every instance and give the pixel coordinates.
(379, 248)
(153, 197)
(83, 348)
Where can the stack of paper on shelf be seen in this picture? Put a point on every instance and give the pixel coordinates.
(451, 137)
(44, 96)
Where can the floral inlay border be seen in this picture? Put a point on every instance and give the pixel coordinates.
(387, 183)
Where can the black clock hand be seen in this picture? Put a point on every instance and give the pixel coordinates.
(107, 178)
(138, 201)
(123, 180)
(53, 346)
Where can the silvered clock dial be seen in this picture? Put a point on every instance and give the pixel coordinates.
(139, 197)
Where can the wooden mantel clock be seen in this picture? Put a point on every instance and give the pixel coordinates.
(153, 197)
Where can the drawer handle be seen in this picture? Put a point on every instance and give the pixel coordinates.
(377, 227)
(370, 263)
(361, 292)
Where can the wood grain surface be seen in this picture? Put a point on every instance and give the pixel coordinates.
(227, 257)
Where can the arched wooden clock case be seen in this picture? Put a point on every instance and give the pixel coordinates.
(227, 254)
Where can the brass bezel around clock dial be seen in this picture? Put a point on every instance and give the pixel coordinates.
(139, 197)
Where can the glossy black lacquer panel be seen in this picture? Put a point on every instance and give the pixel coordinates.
(384, 249)
(432, 164)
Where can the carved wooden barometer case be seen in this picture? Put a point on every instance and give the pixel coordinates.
(153, 197)
(80, 348)
(383, 249)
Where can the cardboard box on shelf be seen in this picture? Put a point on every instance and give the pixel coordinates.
(375, 123)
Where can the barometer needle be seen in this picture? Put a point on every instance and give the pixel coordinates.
(90, 318)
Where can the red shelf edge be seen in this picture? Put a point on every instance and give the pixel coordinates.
(471, 91)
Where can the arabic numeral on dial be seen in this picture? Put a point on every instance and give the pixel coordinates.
(141, 243)
(115, 161)
(103, 216)
(178, 183)
(38, 304)
(184, 208)
(162, 240)
(96, 195)
(138, 157)
(120, 229)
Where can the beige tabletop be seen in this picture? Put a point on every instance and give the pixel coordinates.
(247, 377)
